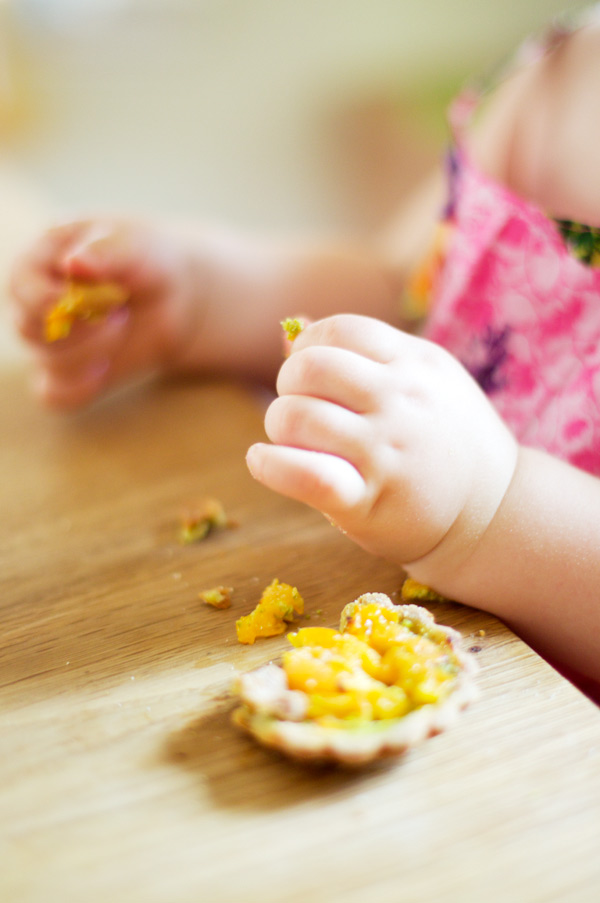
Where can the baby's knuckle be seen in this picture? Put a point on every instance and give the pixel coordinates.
(435, 357)
(310, 367)
(281, 420)
(334, 327)
(317, 488)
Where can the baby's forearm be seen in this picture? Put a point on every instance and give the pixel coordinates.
(250, 286)
(537, 566)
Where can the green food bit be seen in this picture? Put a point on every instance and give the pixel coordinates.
(195, 532)
(291, 327)
(197, 525)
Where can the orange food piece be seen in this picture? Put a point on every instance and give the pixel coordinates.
(277, 606)
(83, 301)
(413, 591)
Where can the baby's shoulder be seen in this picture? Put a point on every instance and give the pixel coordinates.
(541, 129)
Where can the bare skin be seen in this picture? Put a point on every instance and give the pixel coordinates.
(383, 432)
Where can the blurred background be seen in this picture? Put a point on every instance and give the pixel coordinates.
(278, 115)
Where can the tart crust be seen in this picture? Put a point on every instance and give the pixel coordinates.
(276, 715)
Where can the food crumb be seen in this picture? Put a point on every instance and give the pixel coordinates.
(412, 591)
(197, 524)
(278, 604)
(217, 597)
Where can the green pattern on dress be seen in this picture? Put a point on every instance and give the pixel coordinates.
(583, 241)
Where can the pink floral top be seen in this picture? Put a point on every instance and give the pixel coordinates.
(515, 296)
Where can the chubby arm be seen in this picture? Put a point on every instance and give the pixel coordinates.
(253, 284)
(201, 299)
(245, 286)
(537, 565)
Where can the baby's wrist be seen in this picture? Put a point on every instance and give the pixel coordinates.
(446, 566)
(187, 304)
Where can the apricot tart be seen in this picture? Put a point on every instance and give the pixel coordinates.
(385, 681)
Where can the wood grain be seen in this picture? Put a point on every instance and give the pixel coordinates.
(122, 778)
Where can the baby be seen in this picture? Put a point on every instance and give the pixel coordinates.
(467, 450)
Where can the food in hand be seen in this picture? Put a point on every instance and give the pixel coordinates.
(292, 327)
(91, 301)
(385, 681)
(278, 605)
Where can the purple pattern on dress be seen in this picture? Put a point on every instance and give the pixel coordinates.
(485, 365)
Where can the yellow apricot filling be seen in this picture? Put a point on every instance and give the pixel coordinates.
(83, 301)
(277, 606)
(379, 666)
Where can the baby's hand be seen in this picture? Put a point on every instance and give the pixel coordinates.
(389, 437)
(145, 266)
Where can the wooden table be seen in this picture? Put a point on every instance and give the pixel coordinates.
(122, 778)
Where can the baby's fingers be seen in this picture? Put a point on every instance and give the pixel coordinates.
(38, 278)
(334, 374)
(364, 336)
(103, 251)
(47, 252)
(60, 391)
(320, 480)
(72, 372)
(33, 293)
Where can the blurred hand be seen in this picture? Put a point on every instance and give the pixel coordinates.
(388, 436)
(151, 267)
